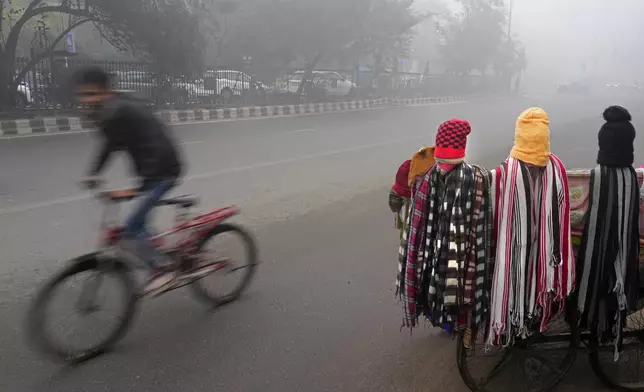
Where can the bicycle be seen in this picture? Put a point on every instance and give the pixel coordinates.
(187, 255)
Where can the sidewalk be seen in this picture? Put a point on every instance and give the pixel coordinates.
(46, 125)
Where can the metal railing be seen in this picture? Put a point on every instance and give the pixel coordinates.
(45, 89)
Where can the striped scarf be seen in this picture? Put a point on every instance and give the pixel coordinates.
(609, 254)
(534, 267)
(446, 255)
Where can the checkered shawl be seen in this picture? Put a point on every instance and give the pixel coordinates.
(480, 259)
(412, 249)
(443, 265)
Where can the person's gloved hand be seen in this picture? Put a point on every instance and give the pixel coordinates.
(395, 202)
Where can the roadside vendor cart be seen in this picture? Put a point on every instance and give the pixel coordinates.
(541, 361)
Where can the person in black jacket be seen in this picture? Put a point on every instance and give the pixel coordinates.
(154, 155)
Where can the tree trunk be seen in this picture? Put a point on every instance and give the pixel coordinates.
(7, 65)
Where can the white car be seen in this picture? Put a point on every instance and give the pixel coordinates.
(197, 89)
(231, 83)
(23, 95)
(334, 84)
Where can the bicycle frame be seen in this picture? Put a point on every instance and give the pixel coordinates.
(192, 228)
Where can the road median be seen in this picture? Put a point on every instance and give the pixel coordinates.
(55, 125)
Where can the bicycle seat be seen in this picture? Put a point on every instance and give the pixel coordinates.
(185, 201)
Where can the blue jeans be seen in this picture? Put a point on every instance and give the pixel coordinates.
(135, 227)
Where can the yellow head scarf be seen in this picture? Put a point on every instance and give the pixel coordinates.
(532, 137)
(421, 162)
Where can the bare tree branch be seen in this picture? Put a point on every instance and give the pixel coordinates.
(41, 56)
(12, 40)
(33, 5)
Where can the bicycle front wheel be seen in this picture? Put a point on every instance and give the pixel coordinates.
(230, 252)
(95, 287)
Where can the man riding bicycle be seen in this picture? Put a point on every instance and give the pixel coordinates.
(155, 158)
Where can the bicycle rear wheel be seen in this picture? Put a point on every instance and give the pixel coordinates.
(221, 262)
(627, 373)
(90, 276)
(536, 364)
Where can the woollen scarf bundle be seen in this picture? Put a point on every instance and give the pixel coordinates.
(534, 271)
(442, 267)
(609, 254)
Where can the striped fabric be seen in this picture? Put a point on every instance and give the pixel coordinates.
(534, 270)
(608, 264)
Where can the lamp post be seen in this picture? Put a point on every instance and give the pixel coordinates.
(510, 20)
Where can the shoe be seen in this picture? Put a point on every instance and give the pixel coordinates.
(157, 283)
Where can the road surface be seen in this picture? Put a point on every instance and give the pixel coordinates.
(321, 314)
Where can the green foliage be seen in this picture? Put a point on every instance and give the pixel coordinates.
(167, 32)
(476, 40)
(164, 32)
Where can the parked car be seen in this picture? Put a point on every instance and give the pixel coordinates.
(145, 86)
(229, 84)
(332, 83)
(24, 97)
(198, 91)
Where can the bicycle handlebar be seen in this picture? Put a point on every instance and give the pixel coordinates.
(114, 196)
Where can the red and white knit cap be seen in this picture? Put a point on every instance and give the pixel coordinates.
(451, 140)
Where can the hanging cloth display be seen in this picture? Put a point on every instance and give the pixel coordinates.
(446, 253)
(534, 269)
(608, 266)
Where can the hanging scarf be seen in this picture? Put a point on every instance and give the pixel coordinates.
(446, 254)
(534, 267)
(481, 259)
(609, 254)
(413, 239)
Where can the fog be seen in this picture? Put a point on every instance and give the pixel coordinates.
(580, 39)
(590, 41)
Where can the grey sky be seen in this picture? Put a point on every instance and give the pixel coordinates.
(570, 40)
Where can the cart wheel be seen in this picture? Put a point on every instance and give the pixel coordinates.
(536, 364)
(627, 373)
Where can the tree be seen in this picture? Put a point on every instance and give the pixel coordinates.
(164, 32)
(162, 29)
(510, 61)
(387, 33)
(277, 33)
(472, 38)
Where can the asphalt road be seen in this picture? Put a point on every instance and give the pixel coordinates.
(321, 313)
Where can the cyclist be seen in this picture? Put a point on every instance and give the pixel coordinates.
(154, 154)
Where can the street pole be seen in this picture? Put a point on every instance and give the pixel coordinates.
(510, 21)
(510, 37)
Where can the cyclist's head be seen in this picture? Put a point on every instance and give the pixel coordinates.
(92, 86)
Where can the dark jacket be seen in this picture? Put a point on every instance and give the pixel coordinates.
(131, 128)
